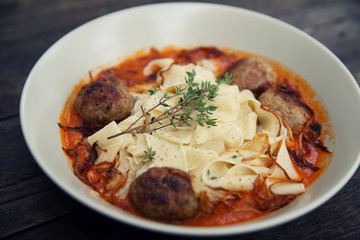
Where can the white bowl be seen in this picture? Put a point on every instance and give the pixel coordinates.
(121, 33)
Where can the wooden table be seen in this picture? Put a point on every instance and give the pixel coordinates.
(32, 207)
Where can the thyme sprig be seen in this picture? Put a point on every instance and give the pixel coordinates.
(192, 98)
(149, 154)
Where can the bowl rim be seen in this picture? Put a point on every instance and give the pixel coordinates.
(169, 228)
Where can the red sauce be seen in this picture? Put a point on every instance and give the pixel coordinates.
(247, 205)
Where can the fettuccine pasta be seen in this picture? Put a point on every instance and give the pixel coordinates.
(247, 142)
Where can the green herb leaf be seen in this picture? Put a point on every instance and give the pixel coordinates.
(152, 91)
(149, 154)
(226, 78)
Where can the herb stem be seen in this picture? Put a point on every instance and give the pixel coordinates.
(192, 98)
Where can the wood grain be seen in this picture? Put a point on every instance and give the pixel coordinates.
(32, 207)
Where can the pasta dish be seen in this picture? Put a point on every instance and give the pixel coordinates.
(200, 136)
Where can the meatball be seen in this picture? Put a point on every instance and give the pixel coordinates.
(165, 194)
(295, 113)
(252, 73)
(104, 100)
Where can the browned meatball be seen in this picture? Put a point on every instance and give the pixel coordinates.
(164, 193)
(295, 113)
(252, 73)
(104, 100)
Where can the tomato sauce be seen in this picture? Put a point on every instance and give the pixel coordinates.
(247, 205)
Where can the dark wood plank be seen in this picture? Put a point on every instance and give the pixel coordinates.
(27, 196)
(25, 188)
(34, 209)
(16, 163)
(336, 26)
